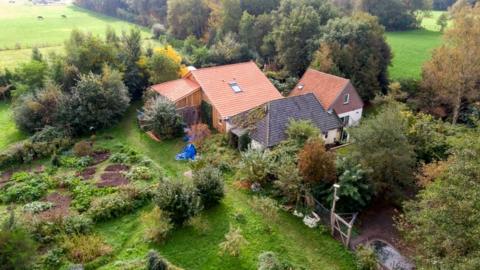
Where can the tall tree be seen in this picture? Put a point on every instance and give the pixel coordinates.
(231, 15)
(355, 47)
(393, 14)
(444, 219)
(381, 144)
(296, 31)
(256, 7)
(452, 76)
(135, 75)
(187, 17)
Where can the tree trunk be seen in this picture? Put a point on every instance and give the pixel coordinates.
(456, 108)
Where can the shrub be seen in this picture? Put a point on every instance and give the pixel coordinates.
(158, 30)
(255, 166)
(141, 173)
(199, 224)
(114, 205)
(53, 259)
(83, 148)
(366, 258)
(162, 118)
(178, 200)
(95, 102)
(85, 248)
(78, 224)
(316, 165)
(27, 151)
(155, 261)
(27, 189)
(36, 110)
(269, 261)
(233, 242)
(157, 225)
(17, 248)
(37, 207)
(301, 131)
(267, 207)
(209, 185)
(48, 134)
(46, 228)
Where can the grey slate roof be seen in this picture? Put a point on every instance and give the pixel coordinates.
(270, 131)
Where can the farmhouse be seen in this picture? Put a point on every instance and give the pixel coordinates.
(334, 93)
(219, 93)
(270, 130)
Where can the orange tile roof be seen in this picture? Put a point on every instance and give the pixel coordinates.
(175, 90)
(256, 88)
(325, 87)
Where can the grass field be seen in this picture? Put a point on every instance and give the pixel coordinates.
(190, 249)
(412, 48)
(21, 30)
(8, 132)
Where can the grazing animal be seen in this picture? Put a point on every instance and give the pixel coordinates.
(40, 17)
(64, 16)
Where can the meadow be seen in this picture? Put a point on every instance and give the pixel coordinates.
(21, 29)
(412, 48)
(8, 131)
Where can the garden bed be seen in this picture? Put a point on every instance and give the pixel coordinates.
(61, 205)
(112, 179)
(87, 173)
(99, 157)
(117, 168)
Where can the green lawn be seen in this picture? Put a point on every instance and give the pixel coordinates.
(189, 249)
(412, 48)
(8, 132)
(21, 28)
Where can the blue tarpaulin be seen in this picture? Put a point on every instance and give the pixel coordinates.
(188, 153)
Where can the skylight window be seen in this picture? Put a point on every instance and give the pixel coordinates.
(300, 86)
(235, 87)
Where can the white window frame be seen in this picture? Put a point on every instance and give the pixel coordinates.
(346, 99)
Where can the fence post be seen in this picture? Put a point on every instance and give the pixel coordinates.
(334, 203)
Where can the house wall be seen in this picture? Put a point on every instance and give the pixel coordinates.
(355, 102)
(332, 136)
(193, 100)
(354, 117)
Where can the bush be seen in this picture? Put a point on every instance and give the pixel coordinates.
(45, 229)
(83, 148)
(199, 224)
(17, 248)
(96, 102)
(25, 188)
(316, 165)
(36, 110)
(209, 185)
(199, 133)
(157, 225)
(301, 131)
(141, 173)
(77, 224)
(114, 205)
(162, 118)
(85, 248)
(48, 134)
(366, 258)
(37, 207)
(53, 259)
(178, 200)
(233, 243)
(158, 30)
(265, 206)
(255, 166)
(27, 151)
(269, 261)
(155, 261)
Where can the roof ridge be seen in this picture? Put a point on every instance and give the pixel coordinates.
(222, 66)
(328, 74)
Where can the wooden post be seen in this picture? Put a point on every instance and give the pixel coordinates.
(332, 212)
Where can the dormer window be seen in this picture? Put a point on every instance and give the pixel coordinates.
(235, 87)
(346, 99)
